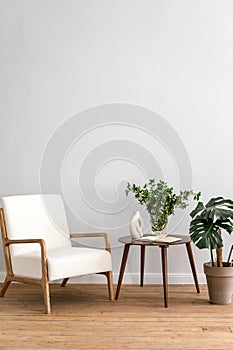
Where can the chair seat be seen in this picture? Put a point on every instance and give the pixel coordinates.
(63, 262)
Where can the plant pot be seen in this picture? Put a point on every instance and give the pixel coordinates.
(220, 283)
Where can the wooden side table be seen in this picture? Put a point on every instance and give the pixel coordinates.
(128, 241)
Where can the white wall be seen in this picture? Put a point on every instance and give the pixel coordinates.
(175, 58)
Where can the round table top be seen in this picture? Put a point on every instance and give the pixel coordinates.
(129, 240)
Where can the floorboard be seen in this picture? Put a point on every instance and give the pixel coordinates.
(83, 318)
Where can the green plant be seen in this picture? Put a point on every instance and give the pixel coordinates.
(207, 222)
(160, 200)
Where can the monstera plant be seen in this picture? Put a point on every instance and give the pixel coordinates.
(206, 227)
(207, 222)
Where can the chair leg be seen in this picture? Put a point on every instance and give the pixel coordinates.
(110, 285)
(65, 280)
(45, 287)
(5, 286)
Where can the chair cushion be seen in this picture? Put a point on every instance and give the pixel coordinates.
(63, 262)
(36, 216)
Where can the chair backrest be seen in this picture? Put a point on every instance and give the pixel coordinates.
(36, 216)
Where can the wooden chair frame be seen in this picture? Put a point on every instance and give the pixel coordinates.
(43, 282)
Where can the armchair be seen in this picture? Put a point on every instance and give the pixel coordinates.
(38, 247)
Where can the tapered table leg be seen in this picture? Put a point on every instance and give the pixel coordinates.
(164, 269)
(191, 260)
(122, 270)
(143, 248)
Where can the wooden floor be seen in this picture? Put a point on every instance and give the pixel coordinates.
(83, 318)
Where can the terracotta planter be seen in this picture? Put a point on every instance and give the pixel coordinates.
(220, 283)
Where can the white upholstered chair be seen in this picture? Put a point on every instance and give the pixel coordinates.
(38, 248)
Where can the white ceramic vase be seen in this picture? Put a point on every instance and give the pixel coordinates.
(136, 226)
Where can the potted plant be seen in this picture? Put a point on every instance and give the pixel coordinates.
(160, 201)
(205, 231)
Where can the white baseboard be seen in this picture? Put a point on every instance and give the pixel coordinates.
(133, 278)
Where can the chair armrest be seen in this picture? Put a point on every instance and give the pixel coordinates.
(94, 234)
(41, 242)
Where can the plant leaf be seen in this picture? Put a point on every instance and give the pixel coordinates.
(220, 201)
(199, 207)
(205, 234)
